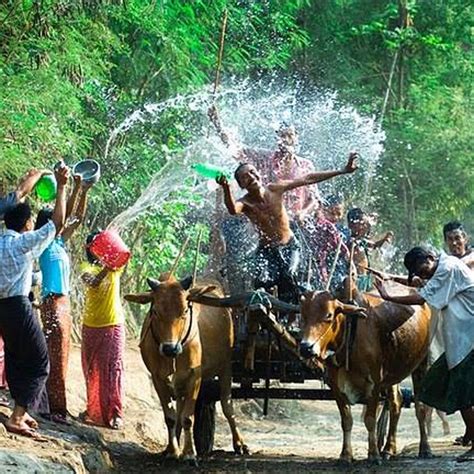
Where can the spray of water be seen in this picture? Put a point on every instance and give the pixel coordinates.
(252, 112)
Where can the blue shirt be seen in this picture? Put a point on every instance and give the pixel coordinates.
(55, 267)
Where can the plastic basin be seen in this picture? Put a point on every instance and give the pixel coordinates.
(110, 249)
(46, 188)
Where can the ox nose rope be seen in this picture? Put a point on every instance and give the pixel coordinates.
(149, 326)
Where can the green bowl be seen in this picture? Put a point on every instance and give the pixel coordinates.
(46, 188)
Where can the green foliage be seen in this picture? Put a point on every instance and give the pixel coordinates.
(427, 175)
(71, 71)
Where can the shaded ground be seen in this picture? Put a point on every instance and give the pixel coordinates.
(300, 436)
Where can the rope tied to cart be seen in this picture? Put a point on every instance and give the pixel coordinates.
(260, 296)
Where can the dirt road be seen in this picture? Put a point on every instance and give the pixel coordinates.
(298, 436)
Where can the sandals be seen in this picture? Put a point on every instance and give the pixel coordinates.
(461, 441)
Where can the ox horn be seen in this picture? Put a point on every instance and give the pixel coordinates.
(353, 309)
(153, 284)
(179, 256)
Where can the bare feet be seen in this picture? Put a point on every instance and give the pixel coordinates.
(22, 428)
(116, 423)
(30, 421)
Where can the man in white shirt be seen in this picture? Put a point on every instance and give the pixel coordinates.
(26, 354)
(457, 241)
(449, 288)
(9, 200)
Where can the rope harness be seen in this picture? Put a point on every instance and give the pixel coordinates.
(153, 314)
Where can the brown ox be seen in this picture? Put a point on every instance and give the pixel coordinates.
(389, 343)
(181, 344)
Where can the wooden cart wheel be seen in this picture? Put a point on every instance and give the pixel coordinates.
(204, 425)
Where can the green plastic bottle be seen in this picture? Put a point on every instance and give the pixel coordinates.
(46, 188)
(210, 171)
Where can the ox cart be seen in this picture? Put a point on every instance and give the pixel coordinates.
(266, 351)
(266, 360)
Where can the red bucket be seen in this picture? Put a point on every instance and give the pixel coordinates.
(110, 249)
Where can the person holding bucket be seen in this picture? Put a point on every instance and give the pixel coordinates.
(55, 310)
(8, 201)
(26, 354)
(103, 331)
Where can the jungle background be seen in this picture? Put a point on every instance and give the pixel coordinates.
(71, 70)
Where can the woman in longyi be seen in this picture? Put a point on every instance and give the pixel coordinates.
(103, 342)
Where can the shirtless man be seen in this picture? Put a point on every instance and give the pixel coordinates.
(278, 165)
(278, 252)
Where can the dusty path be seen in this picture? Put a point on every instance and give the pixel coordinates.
(299, 436)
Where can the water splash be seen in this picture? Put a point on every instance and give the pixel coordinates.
(251, 112)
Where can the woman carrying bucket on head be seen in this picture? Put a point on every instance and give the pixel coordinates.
(103, 331)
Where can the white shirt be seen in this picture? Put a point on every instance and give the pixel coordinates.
(17, 254)
(451, 291)
(469, 259)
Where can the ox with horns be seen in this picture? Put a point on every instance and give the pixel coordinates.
(388, 343)
(183, 343)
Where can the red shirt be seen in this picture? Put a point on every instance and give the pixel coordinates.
(271, 167)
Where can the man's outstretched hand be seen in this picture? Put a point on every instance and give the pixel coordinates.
(379, 284)
(351, 165)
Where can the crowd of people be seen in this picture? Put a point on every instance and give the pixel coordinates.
(34, 356)
(290, 218)
(284, 209)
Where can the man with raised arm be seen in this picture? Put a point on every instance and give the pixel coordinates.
(26, 354)
(277, 256)
(26, 185)
(9, 200)
(279, 165)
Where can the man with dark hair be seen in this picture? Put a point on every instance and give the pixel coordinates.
(278, 253)
(26, 355)
(457, 242)
(449, 290)
(27, 183)
(279, 165)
